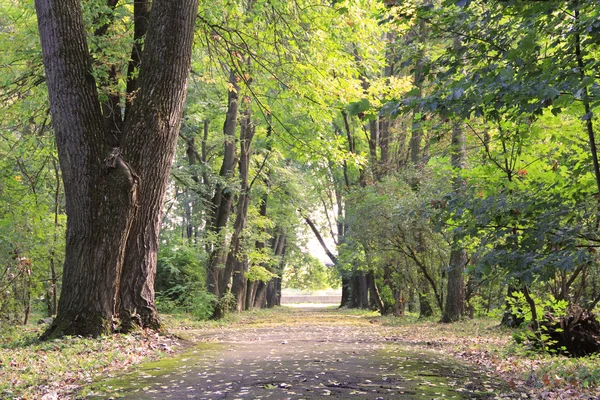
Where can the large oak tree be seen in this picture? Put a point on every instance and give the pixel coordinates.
(115, 175)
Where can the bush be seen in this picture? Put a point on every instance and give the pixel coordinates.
(180, 283)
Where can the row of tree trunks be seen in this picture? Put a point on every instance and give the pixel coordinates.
(260, 294)
(114, 189)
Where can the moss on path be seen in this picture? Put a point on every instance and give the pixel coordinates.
(302, 354)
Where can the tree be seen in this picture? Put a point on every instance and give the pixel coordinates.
(114, 186)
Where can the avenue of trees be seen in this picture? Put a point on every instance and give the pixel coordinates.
(447, 149)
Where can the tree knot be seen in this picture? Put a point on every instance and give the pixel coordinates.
(115, 160)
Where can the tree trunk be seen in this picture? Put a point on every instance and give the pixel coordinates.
(251, 294)
(274, 288)
(354, 292)
(163, 77)
(346, 291)
(375, 301)
(221, 201)
(363, 290)
(274, 293)
(455, 297)
(235, 264)
(260, 299)
(107, 188)
(97, 227)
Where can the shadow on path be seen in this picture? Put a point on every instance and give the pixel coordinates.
(303, 354)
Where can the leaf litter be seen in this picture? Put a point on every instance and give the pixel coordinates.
(307, 354)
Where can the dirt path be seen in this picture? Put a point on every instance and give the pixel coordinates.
(303, 354)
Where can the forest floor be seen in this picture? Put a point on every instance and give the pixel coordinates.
(290, 353)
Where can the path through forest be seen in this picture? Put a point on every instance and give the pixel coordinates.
(304, 354)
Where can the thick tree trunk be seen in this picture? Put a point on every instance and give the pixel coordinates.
(274, 293)
(455, 297)
(346, 291)
(363, 290)
(260, 298)
(107, 189)
(354, 292)
(100, 189)
(163, 83)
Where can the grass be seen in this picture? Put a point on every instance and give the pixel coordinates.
(484, 343)
(30, 368)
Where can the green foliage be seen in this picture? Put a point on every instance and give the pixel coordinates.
(530, 233)
(260, 273)
(227, 303)
(306, 272)
(583, 372)
(179, 282)
(537, 339)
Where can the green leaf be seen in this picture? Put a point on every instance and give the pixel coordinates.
(358, 107)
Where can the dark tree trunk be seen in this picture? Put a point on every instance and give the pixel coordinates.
(260, 299)
(221, 202)
(346, 291)
(252, 286)
(455, 296)
(97, 228)
(107, 188)
(163, 83)
(274, 293)
(354, 292)
(360, 290)
(235, 264)
(375, 301)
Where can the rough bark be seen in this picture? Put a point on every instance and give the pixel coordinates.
(260, 297)
(100, 189)
(363, 290)
(274, 293)
(107, 187)
(151, 136)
